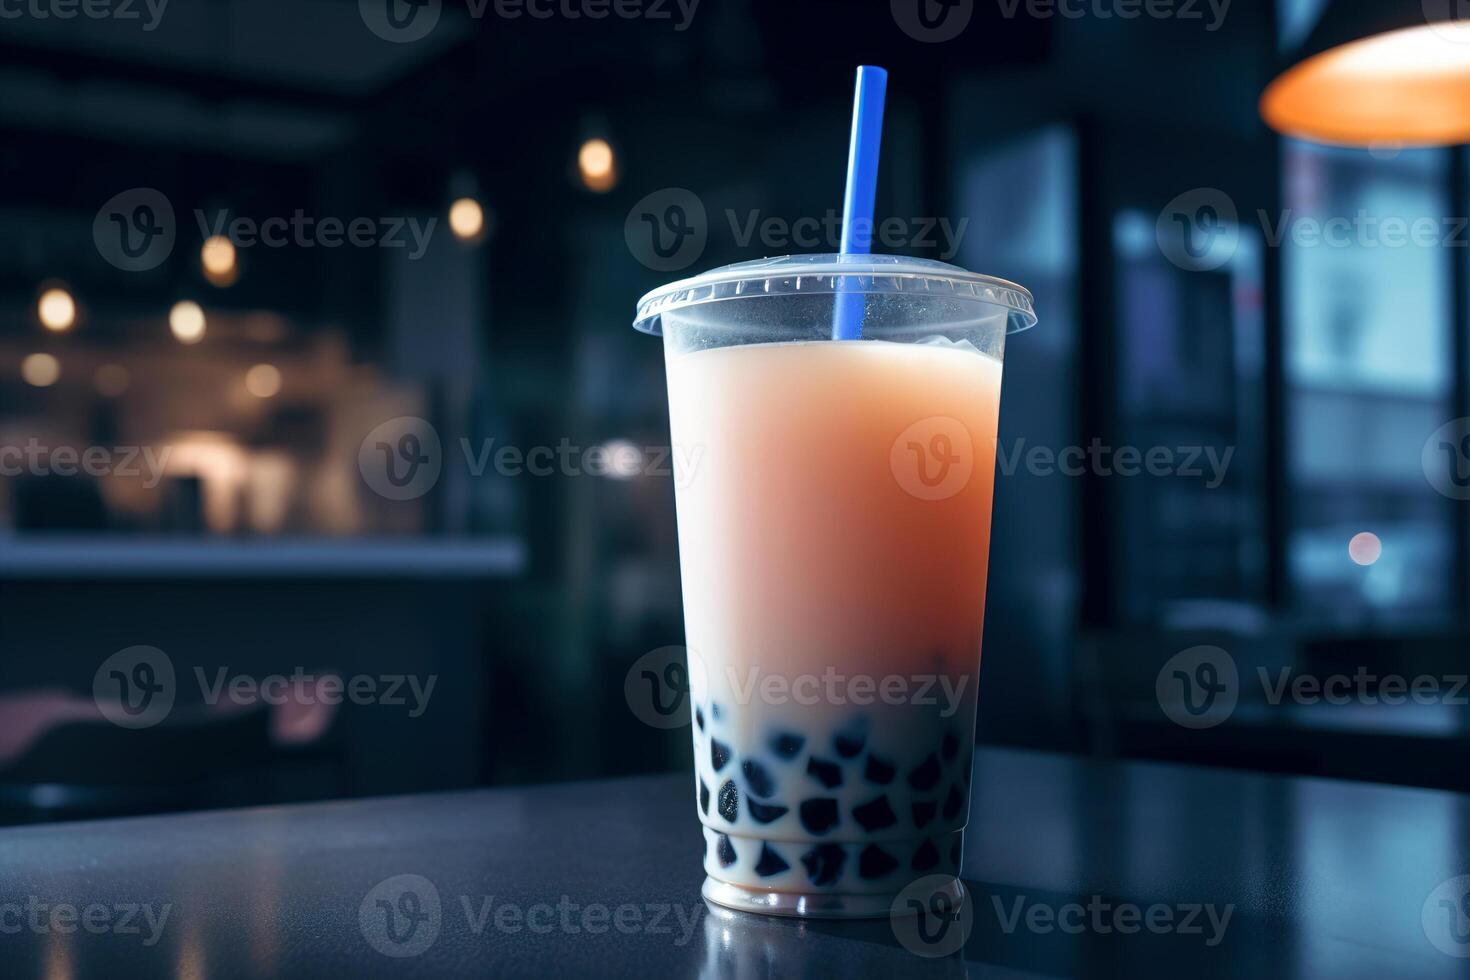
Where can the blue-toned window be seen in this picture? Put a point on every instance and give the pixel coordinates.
(1368, 352)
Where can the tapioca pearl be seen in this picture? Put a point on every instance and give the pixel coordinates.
(829, 774)
(770, 862)
(725, 851)
(729, 802)
(874, 862)
(926, 857)
(824, 863)
(875, 814)
(954, 802)
(699, 717)
(926, 774)
(819, 815)
(924, 812)
(849, 743)
(878, 771)
(764, 813)
(757, 778)
(719, 754)
(787, 745)
(703, 798)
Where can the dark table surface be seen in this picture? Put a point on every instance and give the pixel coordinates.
(1074, 867)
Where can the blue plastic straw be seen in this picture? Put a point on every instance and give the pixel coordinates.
(862, 188)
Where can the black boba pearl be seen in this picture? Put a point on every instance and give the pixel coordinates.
(757, 778)
(819, 815)
(874, 862)
(829, 774)
(729, 801)
(824, 863)
(878, 771)
(764, 813)
(699, 718)
(719, 754)
(703, 798)
(954, 855)
(953, 802)
(770, 863)
(849, 744)
(875, 814)
(787, 745)
(950, 746)
(924, 812)
(725, 851)
(926, 774)
(926, 857)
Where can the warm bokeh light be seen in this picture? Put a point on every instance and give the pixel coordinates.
(57, 309)
(186, 320)
(1410, 86)
(263, 381)
(598, 165)
(41, 370)
(111, 380)
(218, 258)
(467, 219)
(1365, 548)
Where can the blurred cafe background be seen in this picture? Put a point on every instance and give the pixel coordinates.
(316, 362)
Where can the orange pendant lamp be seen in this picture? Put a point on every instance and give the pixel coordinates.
(1377, 72)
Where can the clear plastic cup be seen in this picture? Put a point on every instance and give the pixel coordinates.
(834, 506)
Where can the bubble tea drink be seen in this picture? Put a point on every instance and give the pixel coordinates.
(834, 529)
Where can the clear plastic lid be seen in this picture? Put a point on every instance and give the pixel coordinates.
(816, 275)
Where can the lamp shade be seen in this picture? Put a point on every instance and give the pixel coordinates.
(1382, 71)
